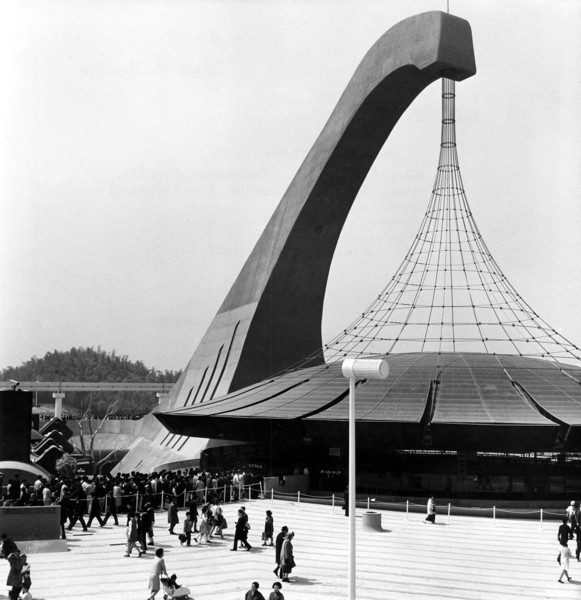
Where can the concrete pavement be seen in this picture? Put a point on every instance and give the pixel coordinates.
(465, 559)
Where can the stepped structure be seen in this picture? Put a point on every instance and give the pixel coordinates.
(472, 366)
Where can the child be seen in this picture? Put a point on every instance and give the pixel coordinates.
(25, 573)
(178, 591)
(268, 529)
(187, 535)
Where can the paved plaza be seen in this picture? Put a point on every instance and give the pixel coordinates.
(465, 558)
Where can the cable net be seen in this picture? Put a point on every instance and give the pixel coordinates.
(449, 294)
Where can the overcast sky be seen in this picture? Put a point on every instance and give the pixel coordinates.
(145, 144)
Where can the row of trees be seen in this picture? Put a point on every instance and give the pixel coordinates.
(88, 365)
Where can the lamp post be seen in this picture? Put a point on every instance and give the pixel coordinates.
(353, 368)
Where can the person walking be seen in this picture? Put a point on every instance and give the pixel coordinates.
(219, 522)
(276, 593)
(563, 532)
(253, 593)
(268, 532)
(277, 548)
(431, 511)
(564, 556)
(25, 578)
(203, 536)
(172, 515)
(241, 532)
(571, 513)
(111, 508)
(78, 510)
(95, 511)
(194, 512)
(132, 536)
(66, 507)
(287, 559)
(14, 578)
(187, 535)
(147, 520)
(157, 569)
(141, 533)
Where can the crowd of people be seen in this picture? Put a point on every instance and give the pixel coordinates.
(133, 488)
(134, 501)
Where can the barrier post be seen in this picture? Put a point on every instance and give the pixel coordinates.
(494, 516)
(407, 509)
(541, 518)
(272, 497)
(449, 510)
(333, 504)
(298, 499)
(367, 503)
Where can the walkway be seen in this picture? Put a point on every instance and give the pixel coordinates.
(468, 558)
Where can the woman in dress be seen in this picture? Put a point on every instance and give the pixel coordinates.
(218, 521)
(157, 569)
(204, 534)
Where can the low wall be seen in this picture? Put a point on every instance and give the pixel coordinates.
(287, 484)
(30, 523)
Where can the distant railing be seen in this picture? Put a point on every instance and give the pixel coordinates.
(407, 507)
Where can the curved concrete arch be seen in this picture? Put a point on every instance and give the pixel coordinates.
(277, 299)
(271, 318)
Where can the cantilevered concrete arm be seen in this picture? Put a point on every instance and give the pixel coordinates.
(271, 318)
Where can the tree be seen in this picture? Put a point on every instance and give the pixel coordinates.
(66, 467)
(92, 365)
(90, 427)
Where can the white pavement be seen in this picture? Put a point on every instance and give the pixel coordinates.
(468, 558)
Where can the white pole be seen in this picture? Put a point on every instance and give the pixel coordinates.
(298, 499)
(541, 518)
(365, 369)
(352, 491)
(58, 404)
(333, 504)
(367, 503)
(449, 508)
(407, 509)
(494, 516)
(271, 497)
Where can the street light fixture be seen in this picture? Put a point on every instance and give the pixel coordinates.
(357, 368)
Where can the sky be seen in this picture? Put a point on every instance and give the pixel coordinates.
(145, 145)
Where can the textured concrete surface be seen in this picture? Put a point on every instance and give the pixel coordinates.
(465, 559)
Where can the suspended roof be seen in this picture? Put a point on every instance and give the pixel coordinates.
(447, 401)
